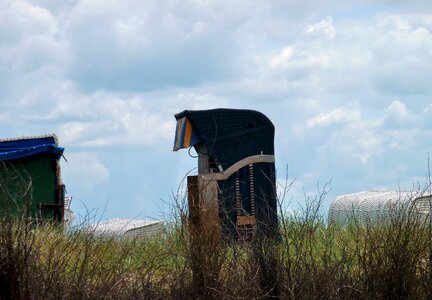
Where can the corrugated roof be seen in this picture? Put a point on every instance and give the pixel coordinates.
(30, 137)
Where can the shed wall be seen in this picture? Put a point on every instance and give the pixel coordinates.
(28, 182)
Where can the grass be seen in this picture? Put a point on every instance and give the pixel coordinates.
(310, 260)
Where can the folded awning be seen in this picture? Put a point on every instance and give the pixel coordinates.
(185, 136)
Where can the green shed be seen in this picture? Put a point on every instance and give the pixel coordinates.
(30, 178)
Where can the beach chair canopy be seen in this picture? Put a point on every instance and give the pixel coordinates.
(228, 134)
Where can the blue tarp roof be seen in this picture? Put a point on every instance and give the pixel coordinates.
(27, 146)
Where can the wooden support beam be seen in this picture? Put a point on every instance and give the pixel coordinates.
(240, 164)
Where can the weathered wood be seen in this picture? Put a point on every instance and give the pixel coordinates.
(203, 158)
(60, 195)
(203, 205)
(209, 206)
(246, 220)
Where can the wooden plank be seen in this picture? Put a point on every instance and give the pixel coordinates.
(209, 206)
(246, 220)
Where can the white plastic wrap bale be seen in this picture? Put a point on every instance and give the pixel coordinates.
(374, 206)
(127, 228)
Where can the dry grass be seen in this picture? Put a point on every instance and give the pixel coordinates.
(310, 260)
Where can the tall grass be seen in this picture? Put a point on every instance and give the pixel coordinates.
(310, 260)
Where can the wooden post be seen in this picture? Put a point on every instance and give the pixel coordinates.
(203, 205)
(195, 247)
(204, 226)
(203, 158)
(208, 195)
(209, 207)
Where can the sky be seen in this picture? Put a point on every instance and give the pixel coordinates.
(347, 85)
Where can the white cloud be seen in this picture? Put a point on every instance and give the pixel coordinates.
(24, 20)
(72, 131)
(298, 60)
(324, 27)
(281, 58)
(155, 45)
(365, 58)
(108, 76)
(336, 116)
(402, 58)
(116, 121)
(104, 119)
(397, 114)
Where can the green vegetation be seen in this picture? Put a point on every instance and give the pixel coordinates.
(310, 260)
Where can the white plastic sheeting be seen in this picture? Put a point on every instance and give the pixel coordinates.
(377, 205)
(127, 228)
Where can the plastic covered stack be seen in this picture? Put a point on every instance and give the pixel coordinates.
(375, 206)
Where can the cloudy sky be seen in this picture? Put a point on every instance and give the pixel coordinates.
(347, 85)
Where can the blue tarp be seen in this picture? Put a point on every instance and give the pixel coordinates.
(27, 147)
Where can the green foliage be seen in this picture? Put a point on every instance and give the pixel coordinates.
(309, 260)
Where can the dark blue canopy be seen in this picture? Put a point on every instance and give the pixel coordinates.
(19, 148)
(229, 134)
